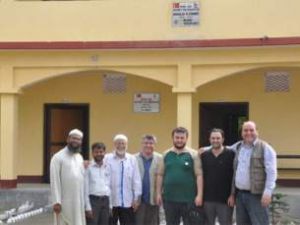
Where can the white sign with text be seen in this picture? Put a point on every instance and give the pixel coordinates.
(185, 14)
(146, 103)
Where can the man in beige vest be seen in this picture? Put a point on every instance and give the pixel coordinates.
(255, 173)
(148, 161)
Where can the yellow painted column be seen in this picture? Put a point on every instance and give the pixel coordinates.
(184, 112)
(8, 140)
(184, 92)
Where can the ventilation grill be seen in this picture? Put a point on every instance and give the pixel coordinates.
(277, 82)
(114, 83)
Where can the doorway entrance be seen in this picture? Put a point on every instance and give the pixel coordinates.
(59, 119)
(229, 116)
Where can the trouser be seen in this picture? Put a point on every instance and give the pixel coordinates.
(218, 210)
(188, 212)
(100, 208)
(147, 214)
(125, 216)
(249, 210)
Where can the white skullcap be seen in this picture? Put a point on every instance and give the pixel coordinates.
(76, 132)
(120, 137)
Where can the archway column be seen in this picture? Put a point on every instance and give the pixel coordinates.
(8, 140)
(8, 128)
(184, 91)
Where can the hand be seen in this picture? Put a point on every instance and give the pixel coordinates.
(266, 200)
(110, 212)
(198, 200)
(135, 206)
(231, 201)
(200, 151)
(89, 214)
(86, 164)
(57, 208)
(159, 200)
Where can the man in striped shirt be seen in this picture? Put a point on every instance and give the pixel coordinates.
(97, 188)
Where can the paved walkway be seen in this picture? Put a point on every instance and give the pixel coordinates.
(43, 219)
(293, 198)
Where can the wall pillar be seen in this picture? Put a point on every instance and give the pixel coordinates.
(184, 92)
(8, 139)
(184, 113)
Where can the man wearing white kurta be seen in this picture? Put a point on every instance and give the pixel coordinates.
(67, 182)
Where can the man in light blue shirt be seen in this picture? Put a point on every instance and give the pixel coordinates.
(255, 176)
(97, 188)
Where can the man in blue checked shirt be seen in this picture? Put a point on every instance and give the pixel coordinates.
(125, 182)
(148, 161)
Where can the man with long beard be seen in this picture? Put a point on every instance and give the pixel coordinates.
(125, 182)
(179, 180)
(67, 182)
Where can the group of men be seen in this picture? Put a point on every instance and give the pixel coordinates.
(195, 187)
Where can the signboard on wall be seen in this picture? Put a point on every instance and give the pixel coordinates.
(146, 103)
(185, 14)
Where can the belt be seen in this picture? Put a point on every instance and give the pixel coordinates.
(98, 197)
(243, 191)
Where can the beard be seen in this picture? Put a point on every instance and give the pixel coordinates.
(120, 152)
(216, 146)
(98, 159)
(74, 149)
(179, 146)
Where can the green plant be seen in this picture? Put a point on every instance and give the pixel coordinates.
(278, 208)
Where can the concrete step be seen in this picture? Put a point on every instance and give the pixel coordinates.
(39, 195)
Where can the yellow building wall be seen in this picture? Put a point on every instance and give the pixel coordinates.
(276, 114)
(102, 20)
(109, 114)
(183, 69)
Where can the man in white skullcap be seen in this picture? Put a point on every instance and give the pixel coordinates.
(67, 182)
(125, 182)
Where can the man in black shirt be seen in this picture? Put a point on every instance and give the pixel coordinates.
(217, 165)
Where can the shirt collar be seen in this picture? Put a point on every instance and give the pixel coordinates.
(180, 151)
(93, 163)
(144, 158)
(117, 157)
(252, 145)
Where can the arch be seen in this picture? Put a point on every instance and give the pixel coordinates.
(26, 77)
(206, 74)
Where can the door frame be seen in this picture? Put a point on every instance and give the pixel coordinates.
(47, 109)
(246, 104)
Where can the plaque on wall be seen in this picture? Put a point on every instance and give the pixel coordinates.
(146, 103)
